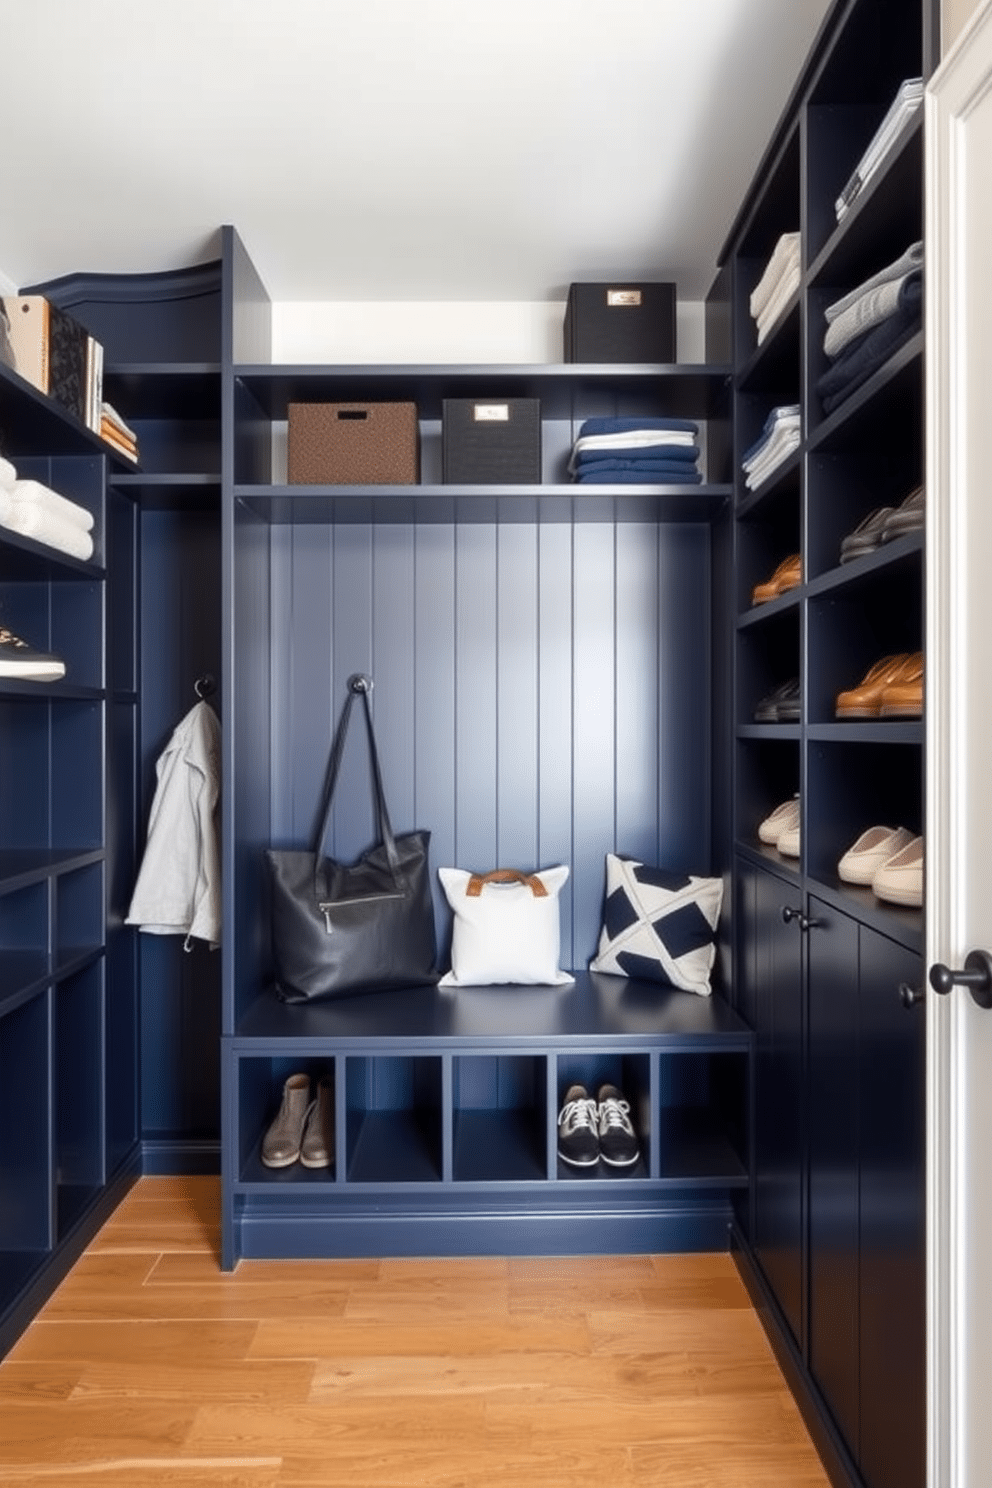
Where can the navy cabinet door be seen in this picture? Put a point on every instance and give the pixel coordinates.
(893, 1217)
(776, 956)
(833, 1164)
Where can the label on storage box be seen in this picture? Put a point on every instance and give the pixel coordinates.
(491, 413)
(623, 297)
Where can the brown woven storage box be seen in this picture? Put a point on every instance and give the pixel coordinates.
(352, 444)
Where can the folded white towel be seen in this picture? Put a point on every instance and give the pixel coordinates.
(45, 527)
(33, 493)
(8, 474)
(785, 256)
(781, 297)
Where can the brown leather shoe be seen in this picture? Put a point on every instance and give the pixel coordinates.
(865, 700)
(788, 574)
(903, 698)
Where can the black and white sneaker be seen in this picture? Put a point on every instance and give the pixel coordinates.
(18, 659)
(578, 1141)
(617, 1138)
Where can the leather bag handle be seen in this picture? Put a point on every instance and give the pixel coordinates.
(505, 875)
(358, 686)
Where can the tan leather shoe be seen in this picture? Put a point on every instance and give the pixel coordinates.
(788, 574)
(865, 700)
(903, 698)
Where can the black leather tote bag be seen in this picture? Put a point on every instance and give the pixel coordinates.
(344, 928)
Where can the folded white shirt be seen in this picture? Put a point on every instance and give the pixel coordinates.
(8, 474)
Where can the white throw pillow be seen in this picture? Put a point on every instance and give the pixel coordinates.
(506, 927)
(659, 925)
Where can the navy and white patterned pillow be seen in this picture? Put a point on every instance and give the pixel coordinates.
(659, 925)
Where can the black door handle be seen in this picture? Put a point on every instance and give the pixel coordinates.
(976, 976)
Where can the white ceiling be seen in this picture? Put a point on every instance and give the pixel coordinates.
(390, 149)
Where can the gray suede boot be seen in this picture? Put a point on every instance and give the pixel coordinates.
(281, 1143)
(317, 1146)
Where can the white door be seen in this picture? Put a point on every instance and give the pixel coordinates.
(959, 754)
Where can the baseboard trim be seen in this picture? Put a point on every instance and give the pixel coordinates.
(837, 1461)
(174, 1157)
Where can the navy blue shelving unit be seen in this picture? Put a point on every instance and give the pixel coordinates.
(542, 659)
(68, 1066)
(827, 973)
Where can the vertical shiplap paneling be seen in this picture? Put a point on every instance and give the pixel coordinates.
(594, 751)
(554, 803)
(684, 699)
(434, 720)
(351, 641)
(517, 709)
(475, 696)
(393, 650)
(280, 647)
(637, 634)
(312, 705)
(540, 694)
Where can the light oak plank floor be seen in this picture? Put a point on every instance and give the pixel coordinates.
(151, 1366)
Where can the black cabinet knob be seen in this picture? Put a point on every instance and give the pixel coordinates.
(911, 996)
(804, 921)
(976, 976)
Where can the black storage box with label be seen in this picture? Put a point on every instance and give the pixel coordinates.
(620, 322)
(491, 441)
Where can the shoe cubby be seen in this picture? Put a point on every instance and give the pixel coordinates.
(877, 612)
(844, 487)
(631, 1074)
(79, 1082)
(769, 531)
(853, 786)
(769, 772)
(26, 1222)
(260, 1082)
(499, 1112)
(80, 913)
(701, 1118)
(768, 656)
(393, 1116)
(24, 939)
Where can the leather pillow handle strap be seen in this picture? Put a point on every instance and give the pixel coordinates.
(505, 875)
(358, 686)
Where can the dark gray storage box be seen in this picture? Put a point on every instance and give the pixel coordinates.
(491, 441)
(620, 322)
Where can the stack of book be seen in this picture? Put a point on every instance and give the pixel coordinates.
(50, 349)
(117, 433)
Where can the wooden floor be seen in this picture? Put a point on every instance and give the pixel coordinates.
(151, 1366)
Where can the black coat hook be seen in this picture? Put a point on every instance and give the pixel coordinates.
(204, 686)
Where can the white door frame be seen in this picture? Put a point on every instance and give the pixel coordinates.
(959, 753)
